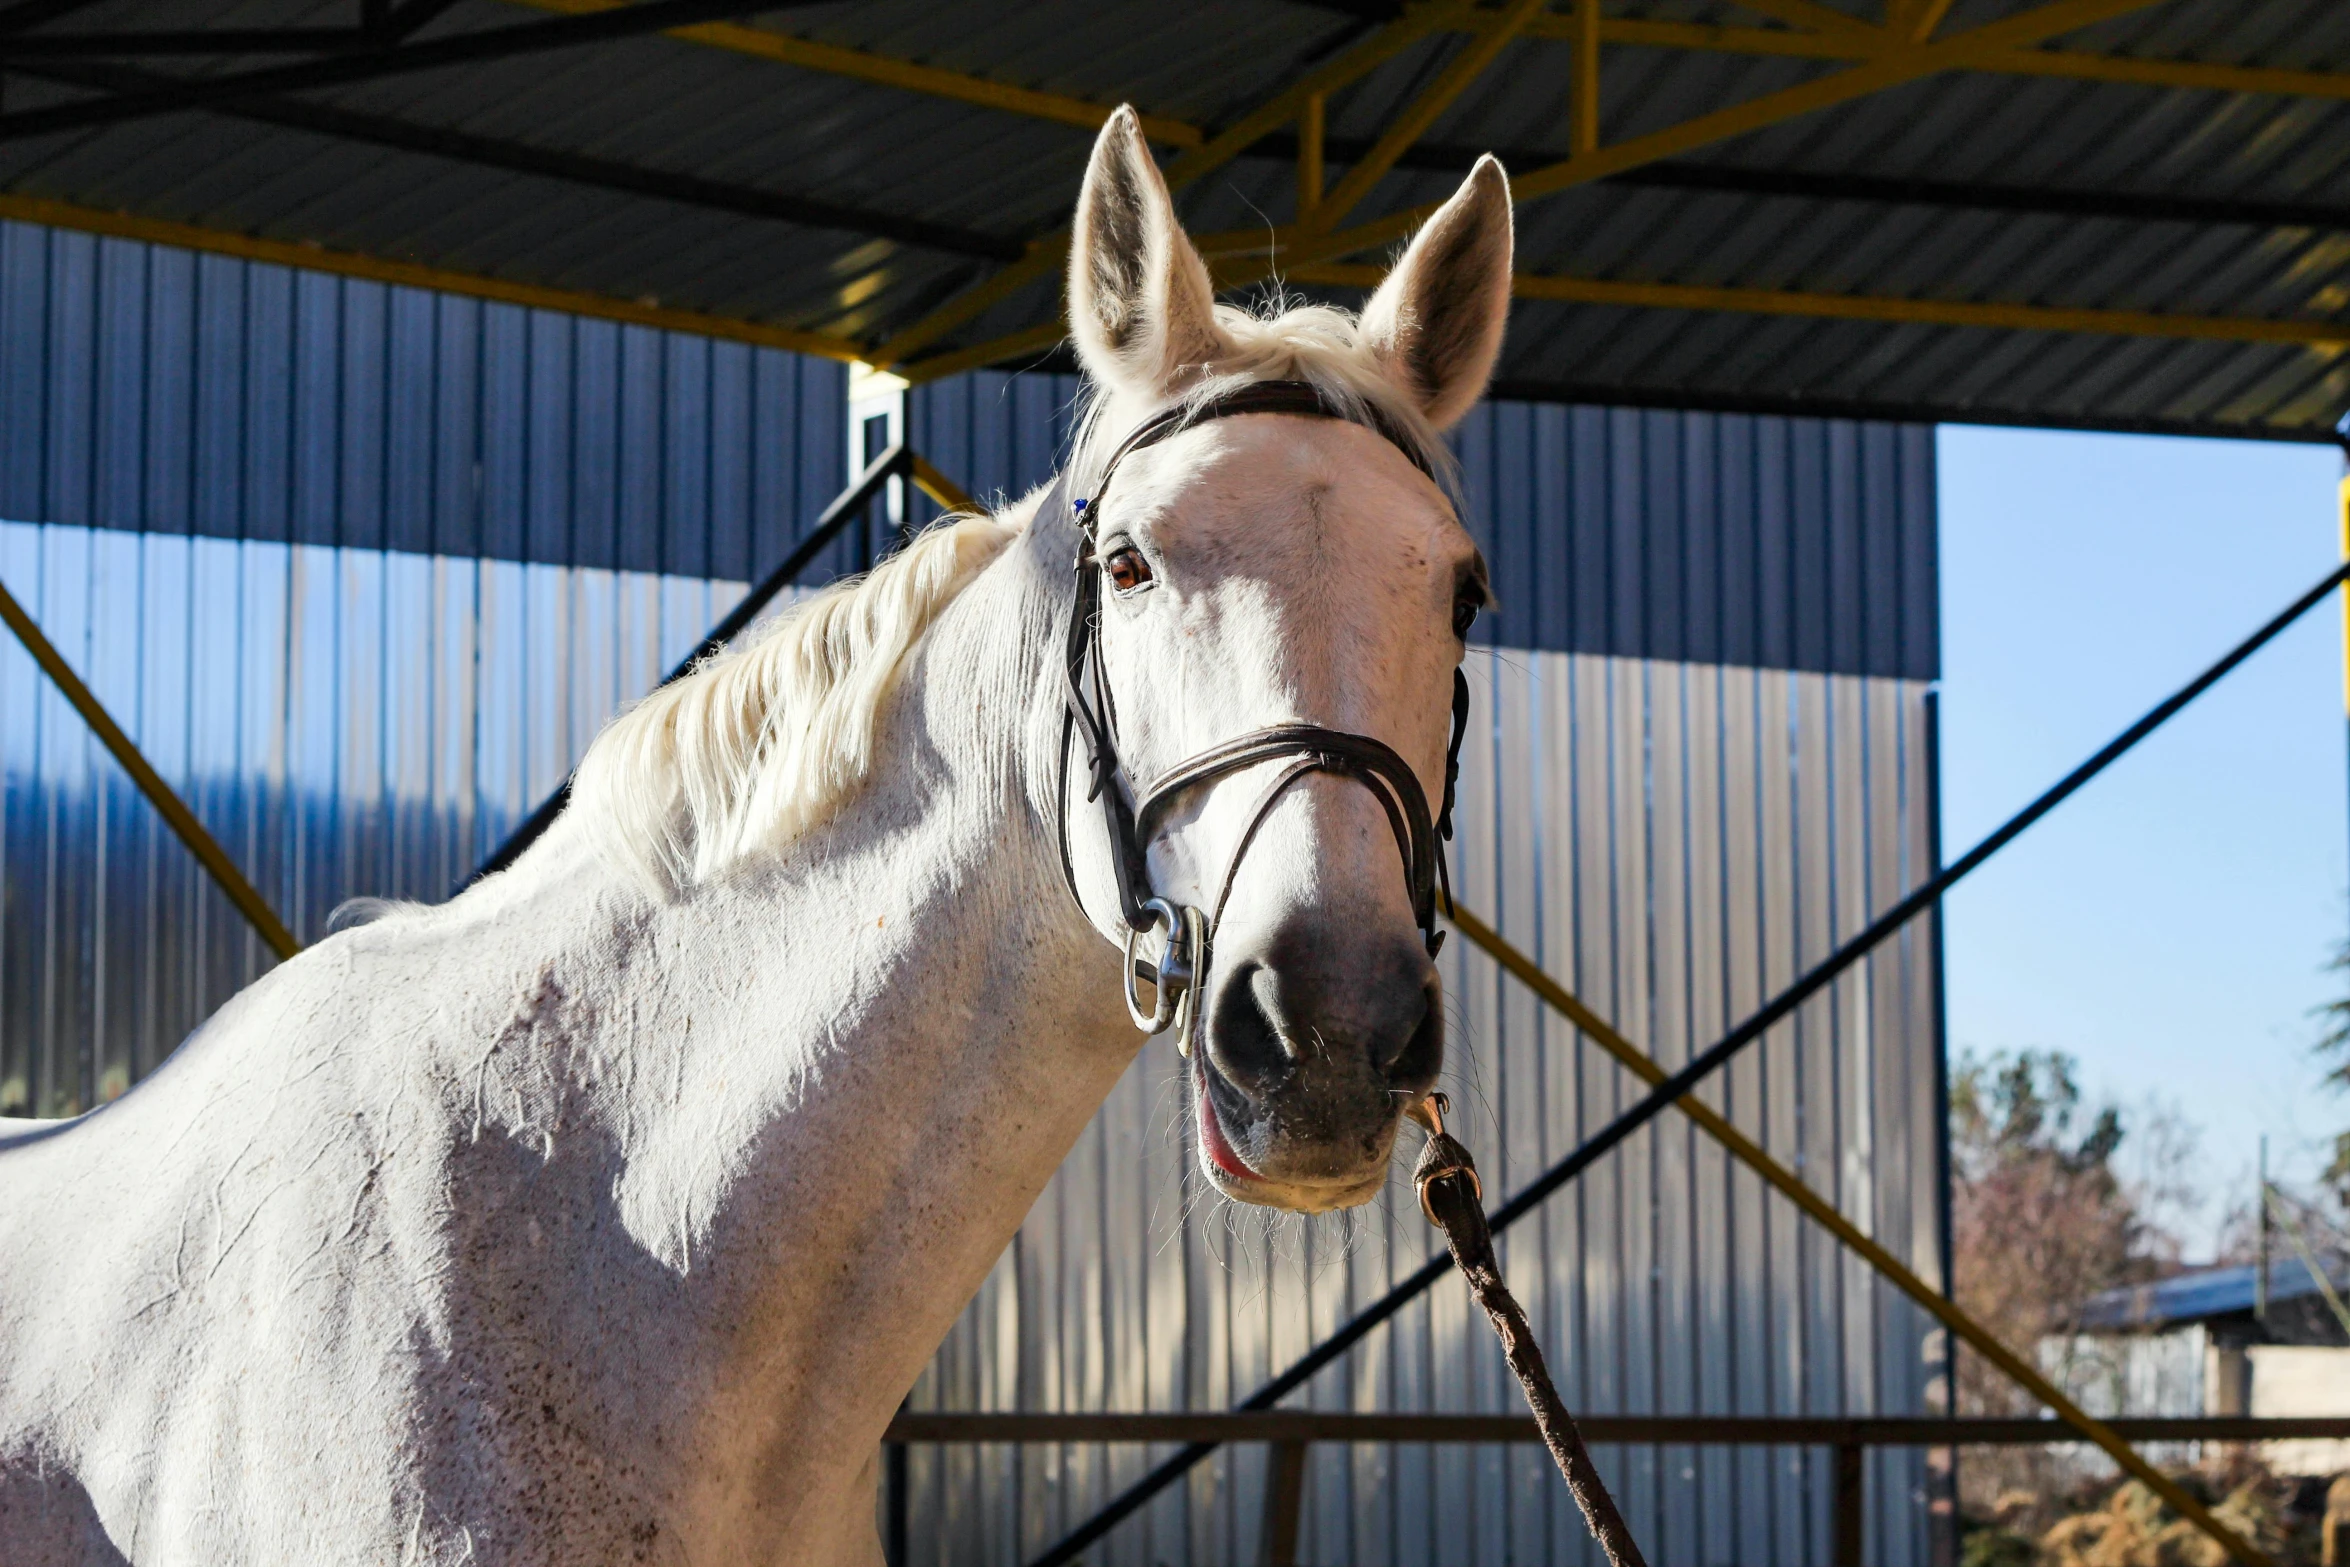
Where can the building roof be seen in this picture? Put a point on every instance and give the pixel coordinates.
(2118, 213)
(2200, 1295)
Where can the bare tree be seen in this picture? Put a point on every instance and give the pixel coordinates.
(2043, 1218)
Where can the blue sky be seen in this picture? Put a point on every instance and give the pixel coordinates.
(2168, 925)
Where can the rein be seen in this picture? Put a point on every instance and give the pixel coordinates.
(1450, 1194)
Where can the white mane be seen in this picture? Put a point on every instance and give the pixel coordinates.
(766, 739)
(1318, 344)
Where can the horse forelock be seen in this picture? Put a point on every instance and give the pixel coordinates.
(767, 739)
(1280, 341)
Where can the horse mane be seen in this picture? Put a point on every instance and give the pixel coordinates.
(763, 741)
(1281, 340)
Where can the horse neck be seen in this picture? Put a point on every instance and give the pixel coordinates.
(835, 1083)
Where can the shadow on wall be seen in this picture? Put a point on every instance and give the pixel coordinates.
(346, 722)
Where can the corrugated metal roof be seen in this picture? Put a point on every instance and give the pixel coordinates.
(663, 107)
(2198, 1296)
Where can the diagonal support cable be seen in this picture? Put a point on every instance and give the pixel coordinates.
(2317, 1274)
(1413, 123)
(1825, 1214)
(900, 461)
(497, 43)
(1677, 1086)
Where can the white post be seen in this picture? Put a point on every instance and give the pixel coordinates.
(877, 421)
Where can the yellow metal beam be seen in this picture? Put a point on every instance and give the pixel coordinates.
(1407, 127)
(902, 74)
(2067, 64)
(2318, 336)
(1349, 65)
(1807, 15)
(1892, 67)
(1043, 259)
(1927, 17)
(174, 812)
(1310, 126)
(2322, 335)
(945, 491)
(406, 274)
(2190, 74)
(1585, 138)
(1340, 70)
(1852, 40)
(2342, 499)
(995, 351)
(1828, 1217)
(1706, 38)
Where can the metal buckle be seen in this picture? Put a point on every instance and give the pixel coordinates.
(1430, 1112)
(1174, 976)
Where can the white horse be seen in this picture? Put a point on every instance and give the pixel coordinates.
(605, 1213)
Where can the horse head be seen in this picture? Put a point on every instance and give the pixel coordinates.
(1266, 572)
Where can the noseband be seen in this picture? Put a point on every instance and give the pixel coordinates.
(1179, 976)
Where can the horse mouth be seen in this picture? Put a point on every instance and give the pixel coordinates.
(1237, 1179)
(1223, 1160)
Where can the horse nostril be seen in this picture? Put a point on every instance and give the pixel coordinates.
(1414, 1065)
(1244, 1034)
(1301, 1010)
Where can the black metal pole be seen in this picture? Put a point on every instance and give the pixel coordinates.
(494, 43)
(898, 1547)
(1943, 1506)
(845, 509)
(1674, 1087)
(32, 13)
(2342, 520)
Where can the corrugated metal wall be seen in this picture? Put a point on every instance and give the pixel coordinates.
(154, 389)
(361, 569)
(364, 569)
(347, 722)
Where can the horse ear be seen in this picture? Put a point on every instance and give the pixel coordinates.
(1437, 320)
(1140, 303)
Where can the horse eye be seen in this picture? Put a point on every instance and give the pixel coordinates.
(1128, 570)
(1464, 615)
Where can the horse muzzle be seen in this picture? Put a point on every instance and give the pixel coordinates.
(1312, 1045)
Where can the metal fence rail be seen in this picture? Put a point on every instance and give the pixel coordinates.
(1289, 1431)
(1325, 1425)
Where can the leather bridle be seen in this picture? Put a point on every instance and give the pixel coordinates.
(1179, 976)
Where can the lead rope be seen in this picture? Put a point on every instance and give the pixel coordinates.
(1454, 1201)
